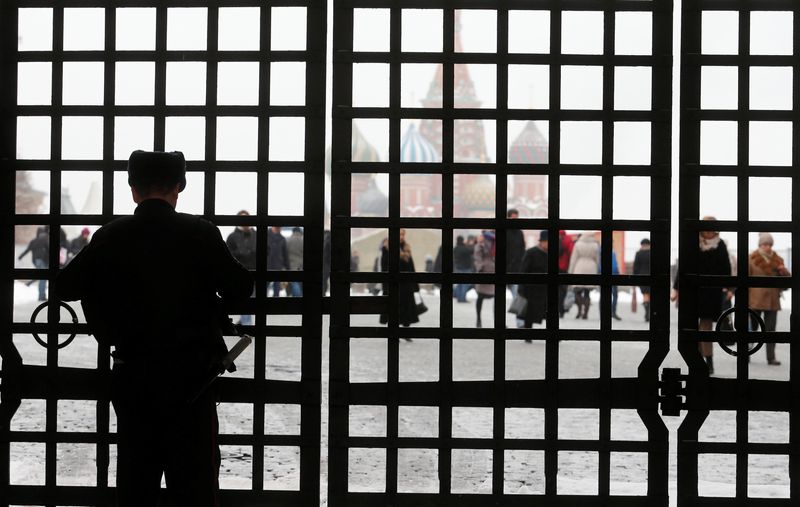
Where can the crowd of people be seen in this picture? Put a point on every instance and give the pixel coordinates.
(581, 256)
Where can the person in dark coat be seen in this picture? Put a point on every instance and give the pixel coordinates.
(77, 244)
(39, 248)
(515, 246)
(149, 285)
(462, 263)
(326, 261)
(242, 245)
(641, 266)
(277, 256)
(535, 261)
(406, 305)
(713, 259)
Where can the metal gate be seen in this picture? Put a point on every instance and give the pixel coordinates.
(406, 433)
(739, 141)
(443, 412)
(78, 78)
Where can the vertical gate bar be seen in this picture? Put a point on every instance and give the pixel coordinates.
(314, 202)
(661, 213)
(743, 207)
(554, 207)
(12, 363)
(160, 91)
(212, 59)
(501, 205)
(606, 249)
(448, 203)
(689, 198)
(342, 128)
(794, 349)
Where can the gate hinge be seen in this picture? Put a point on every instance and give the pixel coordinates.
(671, 391)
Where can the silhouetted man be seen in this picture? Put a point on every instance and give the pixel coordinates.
(149, 286)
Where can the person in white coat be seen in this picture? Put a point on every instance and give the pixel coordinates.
(585, 260)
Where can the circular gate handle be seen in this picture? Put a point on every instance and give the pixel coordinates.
(761, 324)
(36, 314)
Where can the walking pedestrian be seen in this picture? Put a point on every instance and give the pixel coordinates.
(585, 260)
(277, 257)
(535, 261)
(294, 251)
(78, 243)
(712, 259)
(484, 255)
(149, 285)
(565, 245)
(242, 245)
(39, 248)
(462, 263)
(614, 288)
(641, 266)
(515, 251)
(766, 301)
(406, 304)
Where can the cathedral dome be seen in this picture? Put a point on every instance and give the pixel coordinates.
(478, 194)
(415, 148)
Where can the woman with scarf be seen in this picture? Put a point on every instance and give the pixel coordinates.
(766, 301)
(713, 259)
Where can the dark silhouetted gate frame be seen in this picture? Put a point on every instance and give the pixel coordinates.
(741, 394)
(552, 393)
(52, 383)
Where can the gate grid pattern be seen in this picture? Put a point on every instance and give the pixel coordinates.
(394, 450)
(739, 138)
(77, 78)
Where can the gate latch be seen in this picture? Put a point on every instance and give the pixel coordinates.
(671, 391)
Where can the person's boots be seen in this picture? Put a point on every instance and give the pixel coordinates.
(646, 311)
(710, 364)
(586, 303)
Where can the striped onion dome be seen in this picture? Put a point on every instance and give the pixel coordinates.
(415, 148)
(530, 147)
(361, 150)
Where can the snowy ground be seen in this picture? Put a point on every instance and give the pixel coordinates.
(768, 475)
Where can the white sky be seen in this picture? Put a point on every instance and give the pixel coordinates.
(771, 88)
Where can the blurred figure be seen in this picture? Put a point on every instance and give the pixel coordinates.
(585, 260)
(565, 245)
(326, 261)
(535, 261)
(77, 244)
(277, 257)
(515, 250)
(713, 259)
(462, 263)
(355, 260)
(484, 263)
(614, 288)
(406, 305)
(39, 249)
(641, 266)
(242, 244)
(294, 251)
(766, 301)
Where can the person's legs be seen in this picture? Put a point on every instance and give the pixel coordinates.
(192, 468)
(587, 302)
(296, 289)
(40, 264)
(478, 307)
(276, 288)
(770, 324)
(139, 460)
(562, 294)
(706, 348)
(614, 299)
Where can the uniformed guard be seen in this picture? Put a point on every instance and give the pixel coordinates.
(150, 285)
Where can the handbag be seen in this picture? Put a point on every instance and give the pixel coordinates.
(518, 305)
(420, 305)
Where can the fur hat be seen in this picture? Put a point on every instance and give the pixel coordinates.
(148, 168)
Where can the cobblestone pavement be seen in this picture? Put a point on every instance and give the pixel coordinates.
(472, 360)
